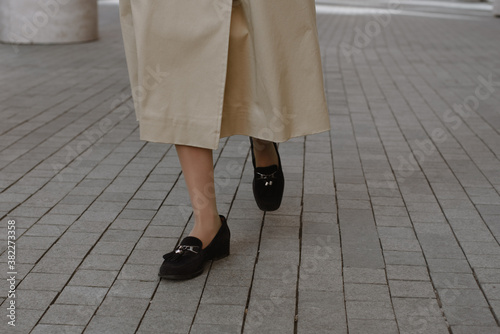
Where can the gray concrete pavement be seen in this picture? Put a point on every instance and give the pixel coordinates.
(390, 222)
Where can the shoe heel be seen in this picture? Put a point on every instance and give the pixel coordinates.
(221, 252)
(219, 247)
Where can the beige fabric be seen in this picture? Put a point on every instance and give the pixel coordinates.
(201, 70)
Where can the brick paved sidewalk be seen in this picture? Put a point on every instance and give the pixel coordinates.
(390, 222)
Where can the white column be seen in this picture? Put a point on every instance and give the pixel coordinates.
(48, 21)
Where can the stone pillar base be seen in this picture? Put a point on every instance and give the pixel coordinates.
(48, 21)
(496, 8)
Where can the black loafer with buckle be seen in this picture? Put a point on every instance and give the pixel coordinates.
(268, 183)
(188, 259)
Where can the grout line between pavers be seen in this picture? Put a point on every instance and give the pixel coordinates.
(337, 209)
(88, 252)
(439, 202)
(411, 221)
(62, 148)
(405, 206)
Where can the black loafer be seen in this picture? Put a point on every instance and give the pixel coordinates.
(268, 183)
(188, 259)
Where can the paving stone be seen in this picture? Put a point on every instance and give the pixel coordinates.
(416, 307)
(331, 300)
(116, 324)
(230, 277)
(79, 238)
(46, 230)
(454, 280)
(308, 326)
(99, 216)
(132, 288)
(482, 248)
(460, 315)
(32, 242)
(125, 307)
(273, 270)
(82, 295)
(419, 315)
(367, 292)
(57, 329)
(138, 271)
(162, 231)
(97, 278)
(121, 236)
(397, 211)
(279, 244)
(44, 281)
(403, 245)
(148, 257)
(220, 314)
(243, 262)
(112, 247)
(68, 314)
(411, 289)
(449, 265)
(320, 318)
(321, 283)
(26, 319)
(369, 310)
(27, 256)
(490, 261)
(364, 275)
(265, 287)
(392, 221)
(422, 325)
(215, 329)
(152, 243)
(81, 226)
(477, 235)
(495, 305)
(404, 258)
(374, 326)
(491, 290)
(129, 224)
(311, 265)
(225, 295)
(32, 299)
(462, 297)
(487, 275)
(255, 323)
(396, 232)
(475, 329)
(103, 262)
(410, 273)
(56, 265)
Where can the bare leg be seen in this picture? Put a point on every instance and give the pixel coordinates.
(197, 166)
(265, 154)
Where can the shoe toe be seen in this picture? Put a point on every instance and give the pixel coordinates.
(186, 261)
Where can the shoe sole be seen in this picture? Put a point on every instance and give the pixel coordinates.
(265, 206)
(182, 277)
(192, 275)
(268, 208)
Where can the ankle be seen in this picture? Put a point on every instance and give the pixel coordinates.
(265, 153)
(205, 228)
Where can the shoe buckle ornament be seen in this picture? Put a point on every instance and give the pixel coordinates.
(182, 248)
(267, 177)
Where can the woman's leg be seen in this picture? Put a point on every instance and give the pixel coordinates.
(265, 154)
(198, 169)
